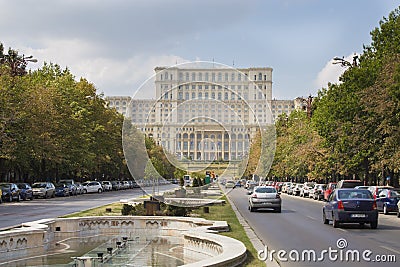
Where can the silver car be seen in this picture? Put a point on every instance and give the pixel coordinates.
(265, 197)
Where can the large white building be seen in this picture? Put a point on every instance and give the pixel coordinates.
(206, 114)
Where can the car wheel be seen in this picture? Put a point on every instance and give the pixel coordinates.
(362, 225)
(99, 191)
(53, 195)
(324, 219)
(18, 198)
(278, 210)
(84, 191)
(31, 198)
(374, 224)
(385, 211)
(398, 213)
(46, 195)
(335, 223)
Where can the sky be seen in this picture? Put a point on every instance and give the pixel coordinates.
(116, 44)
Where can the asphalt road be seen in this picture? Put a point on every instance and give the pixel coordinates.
(299, 227)
(15, 213)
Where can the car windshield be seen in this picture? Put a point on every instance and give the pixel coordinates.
(265, 190)
(61, 185)
(354, 194)
(22, 186)
(38, 185)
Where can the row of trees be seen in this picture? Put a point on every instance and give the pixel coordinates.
(52, 126)
(353, 130)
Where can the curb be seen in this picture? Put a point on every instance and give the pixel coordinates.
(254, 239)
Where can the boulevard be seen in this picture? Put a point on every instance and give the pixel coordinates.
(15, 213)
(299, 227)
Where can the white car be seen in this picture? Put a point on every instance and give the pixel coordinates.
(107, 186)
(92, 187)
(265, 197)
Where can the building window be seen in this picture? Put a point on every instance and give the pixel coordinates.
(180, 76)
(260, 76)
(213, 77)
(226, 77)
(206, 78)
(255, 77)
(265, 77)
(187, 76)
(239, 76)
(193, 95)
(233, 77)
(200, 87)
(193, 76)
(200, 76)
(213, 95)
(219, 76)
(200, 95)
(187, 96)
(226, 96)
(219, 96)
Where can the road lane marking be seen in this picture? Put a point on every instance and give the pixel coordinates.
(344, 230)
(312, 218)
(390, 249)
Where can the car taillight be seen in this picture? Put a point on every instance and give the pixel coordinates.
(374, 205)
(340, 205)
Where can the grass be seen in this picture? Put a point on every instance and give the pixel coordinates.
(216, 213)
(226, 213)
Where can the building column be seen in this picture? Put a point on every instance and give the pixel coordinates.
(202, 145)
(223, 145)
(195, 145)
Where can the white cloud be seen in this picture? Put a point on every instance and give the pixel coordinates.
(330, 73)
(113, 76)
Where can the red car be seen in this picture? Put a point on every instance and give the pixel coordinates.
(329, 189)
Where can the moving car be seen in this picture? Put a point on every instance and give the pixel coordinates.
(387, 200)
(26, 191)
(376, 189)
(265, 197)
(230, 184)
(44, 189)
(10, 192)
(350, 206)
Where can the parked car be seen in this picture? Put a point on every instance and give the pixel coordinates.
(318, 191)
(286, 186)
(296, 190)
(107, 186)
(125, 184)
(10, 192)
(26, 191)
(62, 190)
(349, 183)
(376, 189)
(44, 189)
(115, 185)
(73, 190)
(387, 200)
(265, 197)
(135, 185)
(349, 205)
(92, 187)
(398, 209)
(1, 196)
(290, 188)
(305, 190)
(79, 188)
(329, 189)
